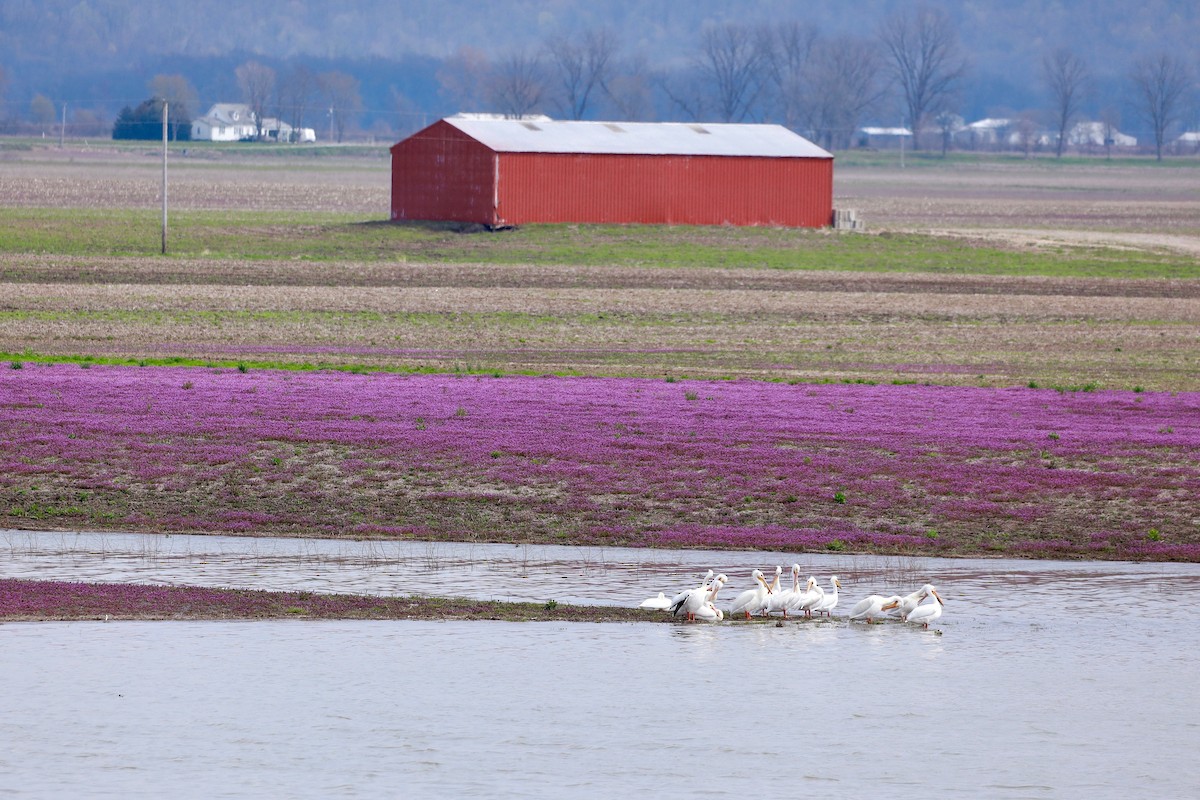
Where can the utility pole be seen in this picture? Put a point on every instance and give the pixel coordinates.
(62, 129)
(164, 181)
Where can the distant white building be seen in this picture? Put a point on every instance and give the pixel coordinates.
(233, 122)
(986, 132)
(1096, 134)
(225, 122)
(879, 137)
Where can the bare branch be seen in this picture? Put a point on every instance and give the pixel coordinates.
(257, 82)
(583, 65)
(517, 85)
(1160, 84)
(731, 59)
(1066, 76)
(923, 51)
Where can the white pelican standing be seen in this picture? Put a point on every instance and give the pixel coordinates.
(708, 611)
(873, 606)
(782, 601)
(703, 585)
(811, 597)
(924, 614)
(830, 600)
(752, 600)
(694, 601)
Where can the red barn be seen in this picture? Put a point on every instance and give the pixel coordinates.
(502, 172)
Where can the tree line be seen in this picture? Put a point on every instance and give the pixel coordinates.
(910, 69)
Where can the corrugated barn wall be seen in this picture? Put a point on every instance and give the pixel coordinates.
(663, 189)
(443, 173)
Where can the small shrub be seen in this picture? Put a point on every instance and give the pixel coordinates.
(1154, 535)
(931, 533)
(691, 396)
(551, 605)
(1138, 390)
(420, 423)
(1032, 384)
(243, 368)
(670, 379)
(17, 365)
(1053, 436)
(187, 384)
(835, 545)
(460, 412)
(839, 497)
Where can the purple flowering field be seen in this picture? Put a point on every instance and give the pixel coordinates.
(740, 464)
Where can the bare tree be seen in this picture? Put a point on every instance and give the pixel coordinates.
(42, 112)
(583, 66)
(297, 91)
(923, 51)
(1160, 86)
(177, 90)
(462, 79)
(1066, 77)
(1110, 120)
(517, 85)
(628, 90)
(786, 52)
(341, 93)
(257, 82)
(948, 124)
(844, 84)
(732, 60)
(1027, 131)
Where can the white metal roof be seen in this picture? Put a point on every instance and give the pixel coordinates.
(541, 135)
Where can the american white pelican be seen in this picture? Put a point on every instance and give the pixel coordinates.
(773, 586)
(873, 606)
(660, 603)
(694, 601)
(928, 612)
(752, 600)
(810, 597)
(703, 585)
(782, 601)
(708, 611)
(830, 600)
(910, 601)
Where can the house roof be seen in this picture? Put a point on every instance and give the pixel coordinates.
(230, 114)
(544, 135)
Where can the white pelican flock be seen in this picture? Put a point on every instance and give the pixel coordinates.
(699, 603)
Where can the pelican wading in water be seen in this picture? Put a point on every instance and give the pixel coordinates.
(910, 601)
(873, 606)
(924, 614)
(753, 600)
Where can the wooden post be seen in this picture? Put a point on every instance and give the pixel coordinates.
(164, 181)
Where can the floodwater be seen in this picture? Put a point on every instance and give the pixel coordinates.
(1042, 679)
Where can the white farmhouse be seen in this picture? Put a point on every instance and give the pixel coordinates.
(224, 122)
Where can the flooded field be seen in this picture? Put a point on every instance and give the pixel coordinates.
(1043, 679)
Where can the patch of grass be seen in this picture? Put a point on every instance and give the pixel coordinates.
(327, 236)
